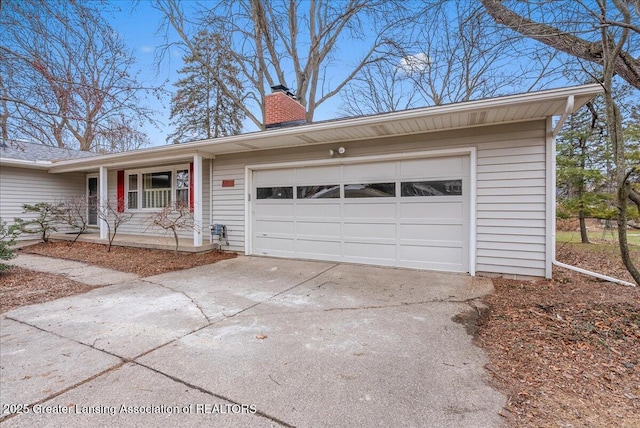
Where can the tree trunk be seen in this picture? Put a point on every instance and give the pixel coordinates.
(581, 191)
(623, 196)
(583, 228)
(614, 123)
(177, 239)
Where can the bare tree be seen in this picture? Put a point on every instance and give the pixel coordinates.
(113, 217)
(174, 217)
(281, 42)
(75, 213)
(575, 28)
(67, 76)
(454, 54)
(120, 135)
(379, 88)
(605, 33)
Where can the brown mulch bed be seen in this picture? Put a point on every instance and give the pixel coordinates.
(20, 287)
(142, 262)
(566, 352)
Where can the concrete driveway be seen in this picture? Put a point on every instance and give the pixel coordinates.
(251, 342)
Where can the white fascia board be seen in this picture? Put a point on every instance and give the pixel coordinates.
(128, 160)
(21, 163)
(212, 147)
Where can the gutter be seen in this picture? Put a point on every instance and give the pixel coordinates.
(594, 274)
(21, 163)
(554, 134)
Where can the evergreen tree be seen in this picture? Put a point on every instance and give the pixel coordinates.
(583, 163)
(199, 109)
(586, 182)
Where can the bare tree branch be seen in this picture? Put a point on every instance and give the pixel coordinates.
(67, 75)
(282, 42)
(624, 64)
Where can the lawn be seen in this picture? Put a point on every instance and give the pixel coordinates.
(599, 237)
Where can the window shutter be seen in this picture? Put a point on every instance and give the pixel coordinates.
(191, 186)
(120, 192)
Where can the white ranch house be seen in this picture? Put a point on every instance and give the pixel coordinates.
(466, 187)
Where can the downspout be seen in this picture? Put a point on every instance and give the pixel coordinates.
(554, 134)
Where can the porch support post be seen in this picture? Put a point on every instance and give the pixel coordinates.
(197, 200)
(103, 195)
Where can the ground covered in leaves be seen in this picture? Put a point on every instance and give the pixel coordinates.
(566, 352)
(142, 262)
(19, 287)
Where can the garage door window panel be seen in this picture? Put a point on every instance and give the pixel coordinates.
(318, 192)
(274, 193)
(370, 190)
(431, 188)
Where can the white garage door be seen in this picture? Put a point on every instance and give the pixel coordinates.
(407, 213)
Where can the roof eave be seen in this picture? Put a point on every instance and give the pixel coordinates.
(22, 163)
(172, 152)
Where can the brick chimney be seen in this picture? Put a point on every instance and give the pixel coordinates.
(282, 109)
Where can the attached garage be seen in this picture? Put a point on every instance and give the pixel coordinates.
(412, 212)
(466, 187)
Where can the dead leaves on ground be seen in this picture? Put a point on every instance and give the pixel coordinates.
(566, 354)
(20, 287)
(142, 262)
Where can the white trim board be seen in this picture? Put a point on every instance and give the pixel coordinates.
(469, 151)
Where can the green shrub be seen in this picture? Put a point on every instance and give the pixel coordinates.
(8, 235)
(48, 216)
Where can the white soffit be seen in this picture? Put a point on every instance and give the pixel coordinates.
(508, 109)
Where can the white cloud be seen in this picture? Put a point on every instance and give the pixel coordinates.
(415, 63)
(147, 49)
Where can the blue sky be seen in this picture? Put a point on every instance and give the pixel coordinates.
(138, 27)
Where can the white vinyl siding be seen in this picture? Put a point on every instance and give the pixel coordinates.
(228, 202)
(510, 187)
(30, 186)
(511, 208)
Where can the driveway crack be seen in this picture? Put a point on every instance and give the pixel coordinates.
(197, 305)
(281, 292)
(213, 394)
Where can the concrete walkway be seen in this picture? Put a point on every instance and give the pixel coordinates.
(78, 271)
(251, 342)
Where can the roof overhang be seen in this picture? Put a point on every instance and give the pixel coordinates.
(20, 163)
(493, 111)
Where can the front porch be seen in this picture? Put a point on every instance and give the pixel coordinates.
(139, 241)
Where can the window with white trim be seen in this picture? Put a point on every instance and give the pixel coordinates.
(132, 192)
(182, 186)
(158, 187)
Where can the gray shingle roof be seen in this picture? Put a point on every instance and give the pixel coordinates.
(13, 149)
